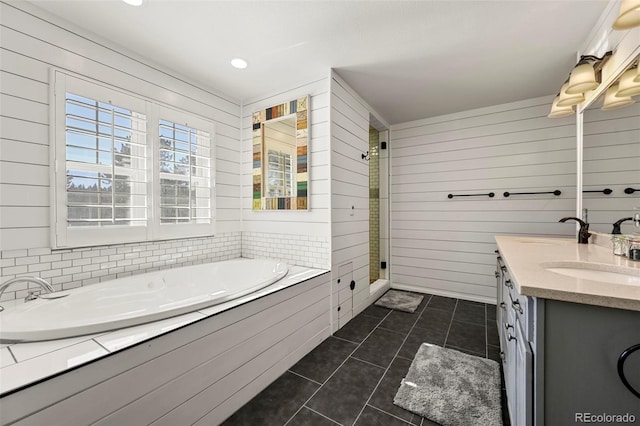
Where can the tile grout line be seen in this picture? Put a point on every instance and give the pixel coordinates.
(336, 370)
(450, 323)
(344, 340)
(392, 360)
(388, 414)
(322, 415)
(101, 345)
(300, 375)
(15, 360)
(466, 351)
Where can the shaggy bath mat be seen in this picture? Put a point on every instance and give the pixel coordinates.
(452, 388)
(400, 300)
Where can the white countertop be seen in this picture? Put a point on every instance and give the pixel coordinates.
(24, 363)
(525, 258)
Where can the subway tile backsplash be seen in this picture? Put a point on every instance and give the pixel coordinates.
(70, 268)
(301, 250)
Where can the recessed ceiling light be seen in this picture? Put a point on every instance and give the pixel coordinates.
(133, 2)
(239, 63)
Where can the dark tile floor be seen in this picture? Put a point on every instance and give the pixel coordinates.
(352, 377)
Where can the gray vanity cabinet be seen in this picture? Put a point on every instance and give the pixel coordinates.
(560, 359)
(515, 349)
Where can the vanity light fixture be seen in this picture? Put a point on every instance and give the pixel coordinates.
(567, 99)
(629, 15)
(627, 86)
(585, 75)
(239, 63)
(611, 101)
(557, 111)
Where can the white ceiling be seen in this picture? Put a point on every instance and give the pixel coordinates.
(407, 59)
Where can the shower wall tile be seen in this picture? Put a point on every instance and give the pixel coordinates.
(72, 268)
(301, 250)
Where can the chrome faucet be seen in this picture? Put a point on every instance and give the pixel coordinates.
(583, 234)
(46, 287)
(616, 225)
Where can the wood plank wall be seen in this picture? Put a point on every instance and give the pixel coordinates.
(315, 221)
(33, 42)
(446, 246)
(350, 188)
(611, 160)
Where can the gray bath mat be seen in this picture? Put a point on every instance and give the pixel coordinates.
(400, 300)
(452, 388)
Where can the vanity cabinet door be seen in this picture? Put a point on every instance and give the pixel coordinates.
(502, 302)
(500, 306)
(524, 378)
(509, 363)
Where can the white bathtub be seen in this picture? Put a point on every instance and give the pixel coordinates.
(137, 299)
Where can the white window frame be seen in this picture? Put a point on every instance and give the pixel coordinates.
(63, 236)
(166, 230)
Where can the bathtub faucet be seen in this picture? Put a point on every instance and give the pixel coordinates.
(46, 287)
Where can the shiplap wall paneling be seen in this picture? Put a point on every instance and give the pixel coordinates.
(34, 41)
(350, 188)
(446, 246)
(200, 373)
(315, 221)
(611, 160)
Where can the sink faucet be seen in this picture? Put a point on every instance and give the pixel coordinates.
(46, 287)
(583, 234)
(616, 226)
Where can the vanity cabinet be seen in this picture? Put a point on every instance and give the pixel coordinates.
(515, 350)
(560, 358)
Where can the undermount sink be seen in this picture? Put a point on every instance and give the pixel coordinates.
(595, 272)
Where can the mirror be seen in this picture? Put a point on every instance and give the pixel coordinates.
(611, 162)
(280, 161)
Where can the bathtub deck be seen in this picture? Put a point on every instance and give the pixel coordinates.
(22, 364)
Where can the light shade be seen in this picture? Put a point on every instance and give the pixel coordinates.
(567, 99)
(629, 15)
(637, 78)
(557, 112)
(583, 79)
(611, 101)
(627, 86)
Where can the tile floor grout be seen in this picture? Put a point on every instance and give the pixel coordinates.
(394, 358)
(336, 370)
(375, 322)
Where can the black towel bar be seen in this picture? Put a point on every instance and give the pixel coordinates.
(556, 193)
(605, 191)
(491, 195)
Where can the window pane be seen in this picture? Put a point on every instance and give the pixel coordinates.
(184, 166)
(102, 139)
